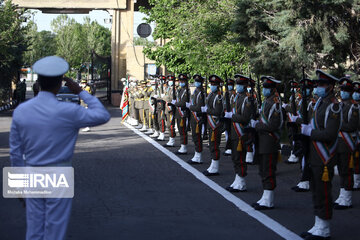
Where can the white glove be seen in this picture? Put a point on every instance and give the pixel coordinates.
(173, 102)
(162, 95)
(228, 114)
(284, 105)
(188, 105)
(259, 110)
(253, 123)
(204, 109)
(293, 118)
(306, 129)
(156, 96)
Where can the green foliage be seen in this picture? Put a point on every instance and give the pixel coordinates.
(75, 41)
(13, 43)
(284, 35)
(138, 41)
(198, 37)
(41, 44)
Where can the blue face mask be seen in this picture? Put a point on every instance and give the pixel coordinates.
(171, 83)
(344, 95)
(213, 88)
(320, 91)
(266, 92)
(153, 87)
(356, 96)
(198, 84)
(308, 92)
(239, 88)
(249, 89)
(182, 84)
(230, 87)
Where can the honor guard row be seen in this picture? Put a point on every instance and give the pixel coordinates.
(323, 131)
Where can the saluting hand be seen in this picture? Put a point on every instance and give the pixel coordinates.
(73, 86)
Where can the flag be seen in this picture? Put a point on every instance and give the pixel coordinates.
(124, 105)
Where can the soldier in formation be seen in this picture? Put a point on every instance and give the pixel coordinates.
(240, 117)
(323, 132)
(197, 118)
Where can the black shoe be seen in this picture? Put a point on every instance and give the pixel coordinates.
(180, 153)
(314, 237)
(168, 146)
(259, 207)
(287, 162)
(304, 234)
(194, 163)
(341, 207)
(206, 173)
(297, 189)
(230, 189)
(226, 154)
(356, 189)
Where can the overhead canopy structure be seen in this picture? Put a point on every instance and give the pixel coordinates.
(122, 12)
(76, 6)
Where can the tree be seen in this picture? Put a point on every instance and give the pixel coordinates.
(75, 42)
(98, 37)
(139, 41)
(198, 37)
(284, 35)
(41, 44)
(13, 43)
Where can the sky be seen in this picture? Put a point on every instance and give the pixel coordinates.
(43, 20)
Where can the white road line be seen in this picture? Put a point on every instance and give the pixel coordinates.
(243, 206)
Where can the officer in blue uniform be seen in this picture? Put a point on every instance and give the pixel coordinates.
(43, 133)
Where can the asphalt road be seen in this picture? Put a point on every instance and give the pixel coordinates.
(125, 188)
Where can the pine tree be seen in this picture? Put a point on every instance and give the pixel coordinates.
(284, 35)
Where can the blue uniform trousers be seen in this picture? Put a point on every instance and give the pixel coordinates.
(47, 218)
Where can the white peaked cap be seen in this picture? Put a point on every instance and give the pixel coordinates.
(51, 66)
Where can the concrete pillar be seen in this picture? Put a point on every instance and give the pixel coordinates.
(122, 35)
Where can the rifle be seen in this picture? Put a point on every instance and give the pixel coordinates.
(205, 135)
(252, 100)
(156, 92)
(162, 86)
(156, 84)
(301, 141)
(292, 126)
(251, 132)
(173, 90)
(206, 85)
(259, 91)
(304, 104)
(293, 103)
(227, 96)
